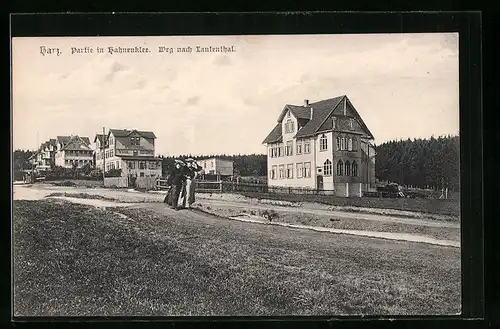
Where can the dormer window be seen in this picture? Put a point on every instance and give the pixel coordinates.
(135, 141)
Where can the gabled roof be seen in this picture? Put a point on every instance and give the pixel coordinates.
(63, 139)
(100, 137)
(126, 133)
(66, 139)
(76, 145)
(321, 111)
(275, 135)
(300, 112)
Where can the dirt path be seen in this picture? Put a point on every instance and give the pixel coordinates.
(333, 213)
(153, 201)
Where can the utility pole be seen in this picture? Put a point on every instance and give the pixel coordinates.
(103, 143)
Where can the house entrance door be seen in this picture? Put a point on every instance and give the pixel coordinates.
(319, 182)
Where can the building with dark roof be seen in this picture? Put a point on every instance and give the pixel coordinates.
(131, 150)
(323, 145)
(44, 157)
(73, 151)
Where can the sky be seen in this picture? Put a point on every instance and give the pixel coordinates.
(402, 85)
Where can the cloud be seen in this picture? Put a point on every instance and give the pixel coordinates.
(193, 100)
(200, 103)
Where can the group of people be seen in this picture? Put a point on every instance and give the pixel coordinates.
(181, 185)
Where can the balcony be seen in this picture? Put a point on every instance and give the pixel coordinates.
(134, 152)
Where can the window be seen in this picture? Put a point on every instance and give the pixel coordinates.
(347, 168)
(351, 124)
(289, 148)
(153, 165)
(281, 172)
(111, 153)
(334, 123)
(270, 152)
(338, 143)
(289, 171)
(340, 168)
(299, 147)
(117, 164)
(280, 150)
(342, 143)
(300, 170)
(307, 169)
(354, 144)
(307, 147)
(142, 165)
(354, 169)
(349, 144)
(273, 172)
(106, 154)
(141, 174)
(323, 143)
(212, 164)
(327, 168)
(110, 140)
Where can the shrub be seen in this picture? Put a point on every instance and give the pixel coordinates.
(113, 173)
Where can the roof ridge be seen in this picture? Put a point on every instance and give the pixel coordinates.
(330, 113)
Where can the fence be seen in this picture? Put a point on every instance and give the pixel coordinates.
(116, 182)
(218, 186)
(201, 186)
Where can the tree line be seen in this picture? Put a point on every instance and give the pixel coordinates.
(420, 162)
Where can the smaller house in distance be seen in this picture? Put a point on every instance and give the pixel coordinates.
(73, 151)
(45, 156)
(216, 166)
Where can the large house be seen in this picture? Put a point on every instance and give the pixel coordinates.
(73, 151)
(323, 145)
(132, 151)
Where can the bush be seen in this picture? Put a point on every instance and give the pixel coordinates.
(113, 173)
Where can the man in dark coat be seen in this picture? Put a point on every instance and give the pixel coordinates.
(175, 181)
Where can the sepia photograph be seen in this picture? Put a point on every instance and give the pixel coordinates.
(248, 175)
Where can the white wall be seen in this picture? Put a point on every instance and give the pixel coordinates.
(293, 159)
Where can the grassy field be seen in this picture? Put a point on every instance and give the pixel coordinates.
(431, 206)
(76, 260)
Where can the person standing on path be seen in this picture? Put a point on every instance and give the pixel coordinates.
(194, 169)
(175, 181)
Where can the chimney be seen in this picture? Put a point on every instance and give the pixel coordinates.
(312, 111)
(306, 102)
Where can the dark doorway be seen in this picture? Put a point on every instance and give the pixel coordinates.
(319, 182)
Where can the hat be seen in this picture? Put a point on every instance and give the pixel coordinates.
(177, 161)
(190, 160)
